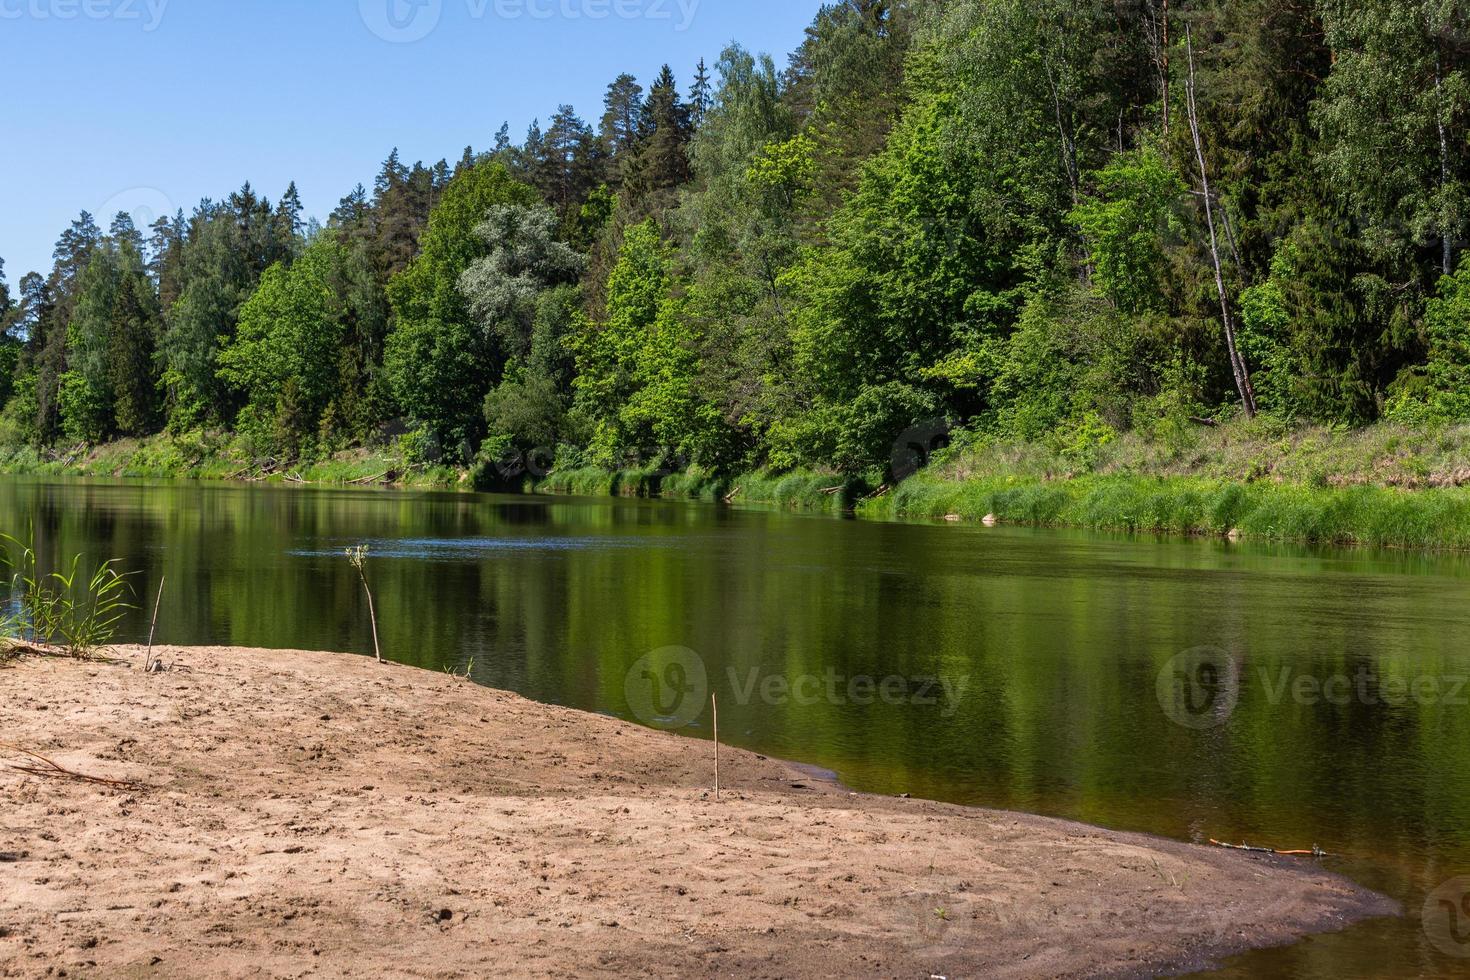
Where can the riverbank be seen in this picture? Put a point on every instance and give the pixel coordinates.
(1383, 486)
(1386, 486)
(219, 457)
(306, 812)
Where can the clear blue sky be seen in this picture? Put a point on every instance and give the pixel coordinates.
(147, 105)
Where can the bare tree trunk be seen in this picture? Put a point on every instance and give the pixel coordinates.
(1164, 69)
(1445, 232)
(1068, 145)
(1237, 362)
(1158, 42)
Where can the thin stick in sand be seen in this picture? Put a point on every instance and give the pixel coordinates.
(715, 708)
(153, 627)
(358, 557)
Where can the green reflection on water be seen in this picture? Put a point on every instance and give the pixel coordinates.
(1006, 668)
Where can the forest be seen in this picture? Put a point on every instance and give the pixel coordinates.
(1053, 221)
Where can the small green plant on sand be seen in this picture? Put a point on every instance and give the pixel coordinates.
(358, 557)
(64, 611)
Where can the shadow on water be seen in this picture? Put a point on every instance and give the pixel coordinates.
(1193, 689)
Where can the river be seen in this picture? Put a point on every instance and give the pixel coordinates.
(1195, 689)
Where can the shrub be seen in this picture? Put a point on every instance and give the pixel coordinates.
(62, 608)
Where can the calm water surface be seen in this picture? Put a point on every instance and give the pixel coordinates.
(1004, 668)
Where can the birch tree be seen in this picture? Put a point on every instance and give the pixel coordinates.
(1393, 113)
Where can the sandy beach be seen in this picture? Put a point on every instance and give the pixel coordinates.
(305, 814)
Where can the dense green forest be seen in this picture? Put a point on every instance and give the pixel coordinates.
(1053, 221)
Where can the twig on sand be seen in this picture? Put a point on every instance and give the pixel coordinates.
(153, 627)
(49, 769)
(358, 557)
(715, 709)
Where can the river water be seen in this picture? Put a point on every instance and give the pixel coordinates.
(1282, 696)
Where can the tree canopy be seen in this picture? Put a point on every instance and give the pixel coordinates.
(1050, 220)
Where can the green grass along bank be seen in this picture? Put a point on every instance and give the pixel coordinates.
(1385, 486)
(1362, 515)
(219, 457)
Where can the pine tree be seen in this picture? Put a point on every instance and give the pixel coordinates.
(399, 217)
(622, 125)
(700, 95)
(131, 360)
(567, 169)
(72, 256)
(11, 313)
(288, 226)
(662, 159)
(166, 257)
(503, 151)
(6, 303)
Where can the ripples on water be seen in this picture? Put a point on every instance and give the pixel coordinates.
(462, 549)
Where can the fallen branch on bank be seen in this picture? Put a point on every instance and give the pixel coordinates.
(1315, 852)
(385, 477)
(24, 648)
(50, 769)
(14, 650)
